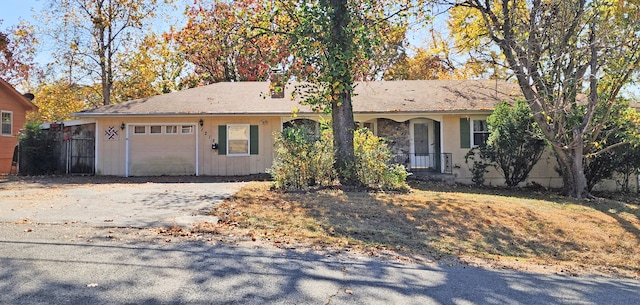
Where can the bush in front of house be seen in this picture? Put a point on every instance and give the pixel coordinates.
(622, 136)
(514, 146)
(305, 159)
(515, 142)
(301, 160)
(373, 167)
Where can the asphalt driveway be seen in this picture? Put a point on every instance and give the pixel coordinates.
(115, 202)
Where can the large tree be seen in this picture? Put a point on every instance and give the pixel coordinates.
(57, 100)
(17, 49)
(225, 42)
(442, 58)
(89, 35)
(156, 67)
(568, 58)
(332, 40)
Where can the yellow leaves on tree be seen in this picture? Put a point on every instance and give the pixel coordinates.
(56, 101)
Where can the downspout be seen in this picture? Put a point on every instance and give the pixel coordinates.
(95, 148)
(197, 134)
(126, 166)
(441, 152)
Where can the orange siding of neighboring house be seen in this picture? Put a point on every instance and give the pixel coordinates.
(9, 102)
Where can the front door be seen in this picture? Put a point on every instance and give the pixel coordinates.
(420, 158)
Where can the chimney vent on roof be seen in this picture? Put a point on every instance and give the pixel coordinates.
(29, 96)
(276, 87)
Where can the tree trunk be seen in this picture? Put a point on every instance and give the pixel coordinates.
(570, 161)
(341, 108)
(343, 125)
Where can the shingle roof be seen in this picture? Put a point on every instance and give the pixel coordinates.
(234, 98)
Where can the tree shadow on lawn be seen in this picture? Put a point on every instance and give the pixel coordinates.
(623, 208)
(433, 227)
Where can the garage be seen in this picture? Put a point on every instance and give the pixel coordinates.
(161, 149)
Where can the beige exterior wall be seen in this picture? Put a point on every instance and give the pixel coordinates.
(112, 151)
(153, 154)
(543, 173)
(214, 164)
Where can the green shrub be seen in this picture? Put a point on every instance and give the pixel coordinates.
(515, 144)
(302, 160)
(373, 168)
(305, 159)
(481, 161)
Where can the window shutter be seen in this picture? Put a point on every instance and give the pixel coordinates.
(222, 139)
(253, 139)
(465, 133)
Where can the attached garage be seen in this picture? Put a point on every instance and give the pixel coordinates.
(161, 149)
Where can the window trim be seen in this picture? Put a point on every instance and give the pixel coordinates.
(174, 129)
(10, 123)
(139, 133)
(374, 126)
(474, 132)
(156, 133)
(191, 129)
(248, 139)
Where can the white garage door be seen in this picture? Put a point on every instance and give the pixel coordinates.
(162, 149)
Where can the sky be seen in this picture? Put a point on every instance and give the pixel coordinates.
(11, 11)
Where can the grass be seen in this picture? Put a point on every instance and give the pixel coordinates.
(501, 228)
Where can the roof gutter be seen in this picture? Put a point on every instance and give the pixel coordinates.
(460, 111)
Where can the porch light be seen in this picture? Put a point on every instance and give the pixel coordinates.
(201, 122)
(122, 126)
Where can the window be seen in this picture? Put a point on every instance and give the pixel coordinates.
(480, 132)
(7, 123)
(186, 129)
(171, 129)
(139, 129)
(372, 126)
(155, 129)
(238, 139)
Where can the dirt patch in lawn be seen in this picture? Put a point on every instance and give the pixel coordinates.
(525, 230)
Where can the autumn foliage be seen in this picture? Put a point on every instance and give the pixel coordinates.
(225, 41)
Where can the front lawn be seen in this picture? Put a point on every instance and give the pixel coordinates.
(537, 231)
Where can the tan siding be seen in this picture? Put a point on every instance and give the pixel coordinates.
(543, 173)
(161, 154)
(215, 164)
(111, 153)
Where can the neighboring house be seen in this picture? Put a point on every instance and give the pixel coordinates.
(13, 110)
(227, 129)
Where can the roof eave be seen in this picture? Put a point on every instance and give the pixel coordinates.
(413, 112)
(177, 114)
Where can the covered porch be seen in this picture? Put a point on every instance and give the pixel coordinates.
(415, 143)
